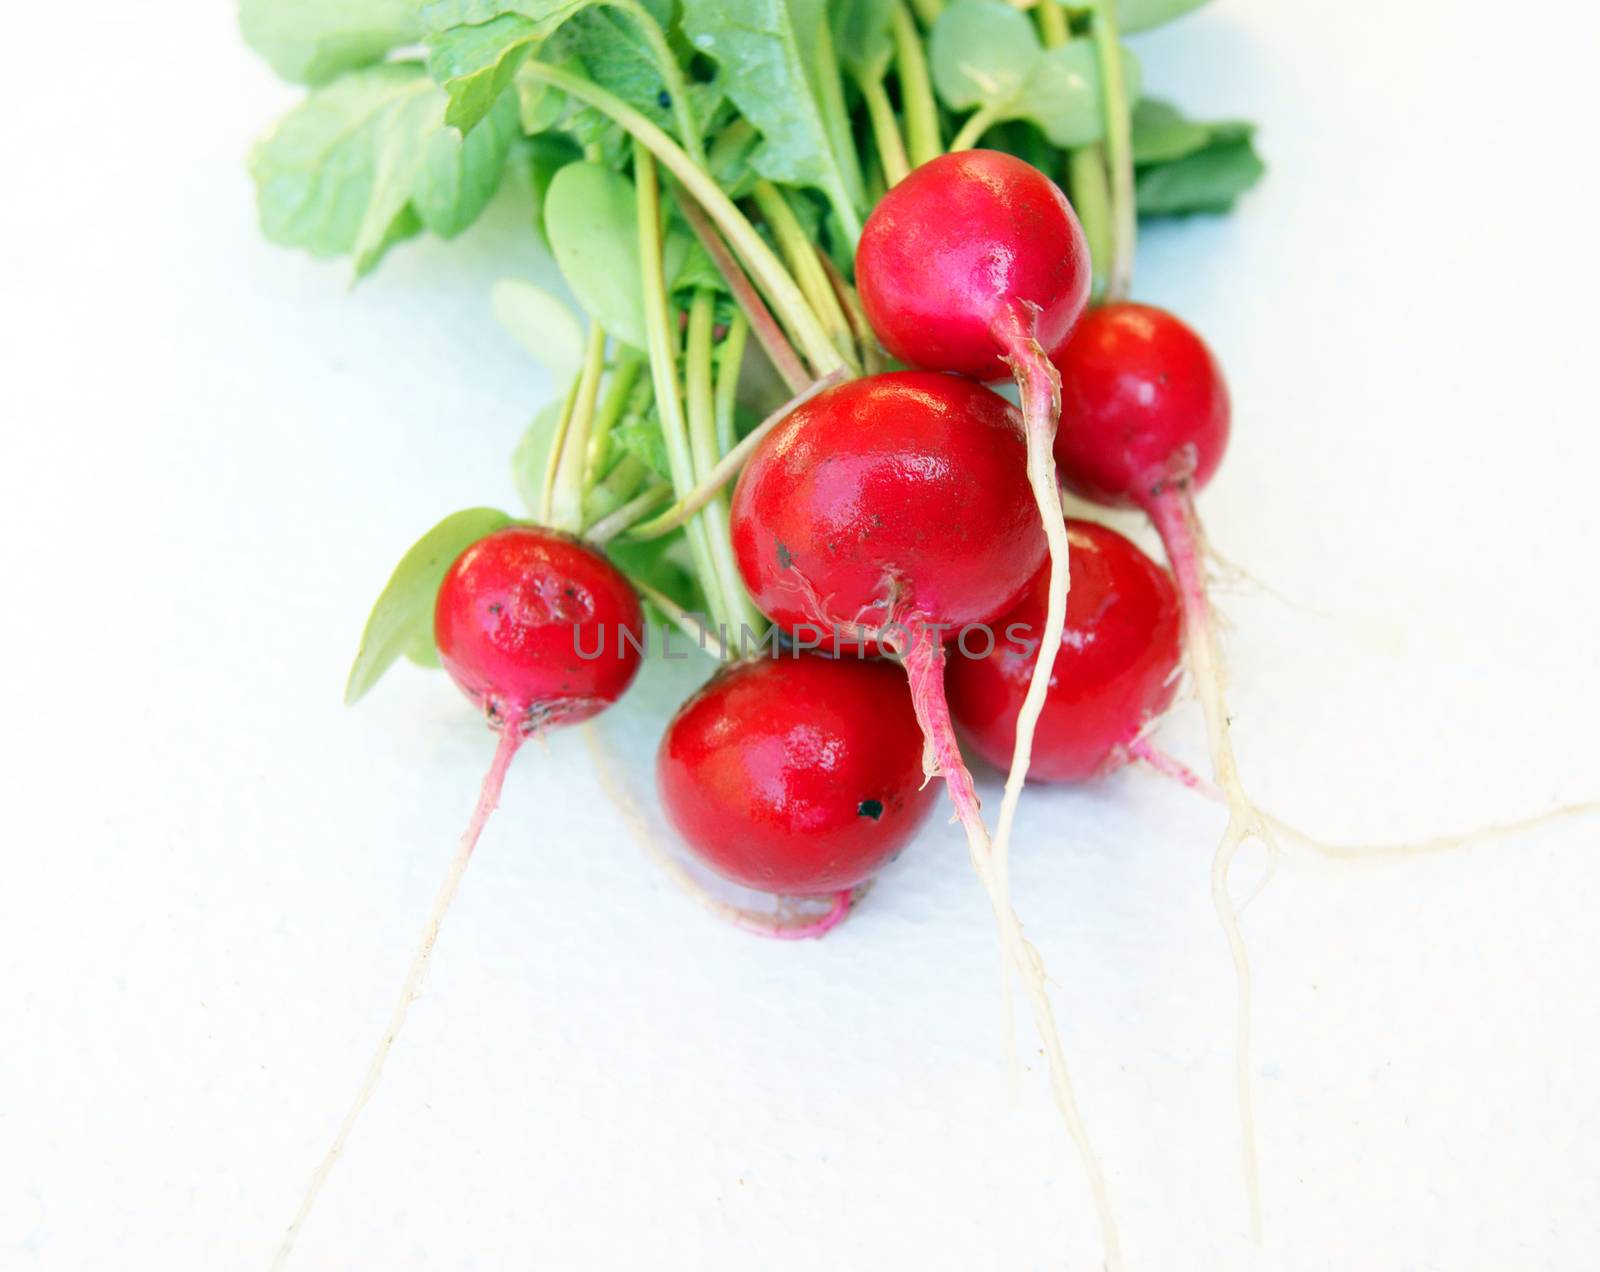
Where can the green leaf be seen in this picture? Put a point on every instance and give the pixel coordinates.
(591, 219)
(767, 53)
(368, 160)
(478, 46)
(1141, 15)
(1062, 93)
(986, 55)
(401, 623)
(981, 51)
(639, 434)
(1161, 133)
(1208, 180)
(460, 174)
(863, 35)
(542, 324)
(311, 41)
(615, 55)
(531, 458)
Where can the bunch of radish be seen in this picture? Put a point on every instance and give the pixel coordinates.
(808, 290)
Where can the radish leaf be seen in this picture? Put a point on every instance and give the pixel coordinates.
(401, 623)
(368, 160)
(767, 52)
(311, 41)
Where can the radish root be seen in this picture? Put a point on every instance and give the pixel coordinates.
(808, 928)
(924, 664)
(1168, 766)
(511, 738)
(1039, 386)
(1171, 508)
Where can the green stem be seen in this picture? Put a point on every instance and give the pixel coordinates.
(1119, 153)
(928, 10)
(558, 442)
(572, 460)
(1054, 27)
(781, 290)
(619, 519)
(1091, 199)
(661, 337)
(851, 195)
(620, 485)
(886, 135)
(729, 365)
(924, 140)
(624, 378)
(801, 255)
(978, 123)
(727, 468)
(699, 357)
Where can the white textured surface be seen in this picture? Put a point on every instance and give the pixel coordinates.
(213, 873)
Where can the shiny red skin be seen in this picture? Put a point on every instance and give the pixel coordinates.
(962, 241)
(892, 498)
(515, 615)
(796, 774)
(1117, 667)
(1143, 406)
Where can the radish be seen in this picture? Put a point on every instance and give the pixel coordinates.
(976, 264)
(1115, 671)
(796, 774)
(885, 514)
(1149, 415)
(539, 631)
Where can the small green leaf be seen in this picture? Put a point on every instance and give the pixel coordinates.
(401, 623)
(460, 174)
(475, 64)
(1141, 15)
(1062, 94)
(767, 52)
(1208, 180)
(638, 433)
(542, 324)
(985, 55)
(311, 41)
(531, 458)
(1161, 133)
(591, 219)
(863, 34)
(368, 160)
(981, 52)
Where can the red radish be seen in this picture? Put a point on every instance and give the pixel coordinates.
(897, 498)
(796, 774)
(538, 630)
(1148, 418)
(1115, 672)
(976, 263)
(889, 512)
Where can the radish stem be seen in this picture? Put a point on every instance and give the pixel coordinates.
(924, 140)
(661, 336)
(728, 467)
(572, 457)
(801, 256)
(730, 364)
(978, 123)
(768, 271)
(787, 362)
(511, 737)
(886, 135)
(1119, 153)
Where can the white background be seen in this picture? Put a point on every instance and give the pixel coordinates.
(214, 452)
